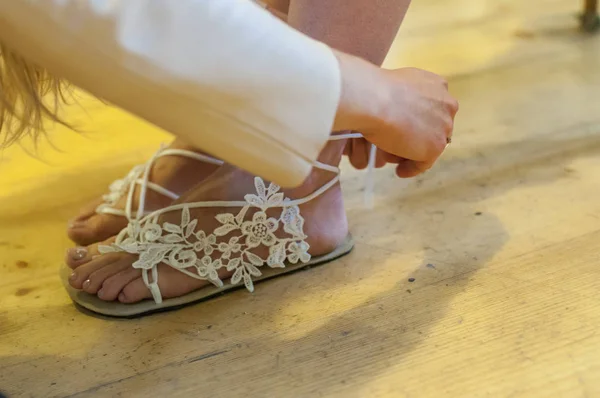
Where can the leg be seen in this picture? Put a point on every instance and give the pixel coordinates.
(365, 28)
(280, 6)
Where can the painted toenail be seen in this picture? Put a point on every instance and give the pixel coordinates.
(73, 276)
(75, 224)
(86, 284)
(78, 253)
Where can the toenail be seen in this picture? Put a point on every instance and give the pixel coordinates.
(75, 224)
(78, 253)
(86, 284)
(101, 293)
(73, 276)
(122, 297)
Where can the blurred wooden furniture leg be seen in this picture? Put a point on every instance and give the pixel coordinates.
(590, 21)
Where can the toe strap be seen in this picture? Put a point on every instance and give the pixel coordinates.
(139, 177)
(153, 284)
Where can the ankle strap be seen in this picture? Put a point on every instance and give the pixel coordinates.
(337, 137)
(345, 136)
(369, 179)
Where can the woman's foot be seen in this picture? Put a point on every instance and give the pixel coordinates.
(177, 174)
(112, 277)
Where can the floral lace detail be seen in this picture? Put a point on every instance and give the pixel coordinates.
(229, 246)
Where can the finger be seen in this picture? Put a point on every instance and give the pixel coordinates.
(409, 168)
(359, 157)
(391, 158)
(380, 158)
(455, 106)
(452, 105)
(444, 81)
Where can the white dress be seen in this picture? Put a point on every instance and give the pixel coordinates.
(223, 74)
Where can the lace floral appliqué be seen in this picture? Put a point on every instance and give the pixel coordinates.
(230, 246)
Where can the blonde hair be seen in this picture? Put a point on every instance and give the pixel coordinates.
(29, 98)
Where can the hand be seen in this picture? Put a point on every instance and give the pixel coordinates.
(407, 112)
(358, 151)
(418, 122)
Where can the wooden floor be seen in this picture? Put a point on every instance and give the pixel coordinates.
(501, 239)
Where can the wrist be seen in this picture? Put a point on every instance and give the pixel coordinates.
(363, 95)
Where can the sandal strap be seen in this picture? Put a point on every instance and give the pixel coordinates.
(370, 177)
(189, 250)
(139, 176)
(190, 154)
(345, 136)
(159, 189)
(105, 209)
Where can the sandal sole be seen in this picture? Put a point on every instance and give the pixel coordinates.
(92, 303)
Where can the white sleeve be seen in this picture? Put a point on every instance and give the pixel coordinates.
(223, 74)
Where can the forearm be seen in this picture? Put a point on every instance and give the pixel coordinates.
(364, 94)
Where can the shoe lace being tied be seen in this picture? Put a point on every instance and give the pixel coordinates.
(30, 97)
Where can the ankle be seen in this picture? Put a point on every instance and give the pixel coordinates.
(331, 155)
(326, 224)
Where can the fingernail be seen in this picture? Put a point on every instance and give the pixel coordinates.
(78, 253)
(73, 276)
(86, 284)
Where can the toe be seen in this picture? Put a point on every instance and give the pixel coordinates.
(77, 256)
(95, 228)
(80, 233)
(171, 282)
(86, 212)
(81, 274)
(113, 285)
(95, 281)
(135, 291)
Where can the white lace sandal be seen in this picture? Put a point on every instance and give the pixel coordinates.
(139, 176)
(201, 254)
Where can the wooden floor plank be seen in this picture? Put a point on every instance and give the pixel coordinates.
(478, 279)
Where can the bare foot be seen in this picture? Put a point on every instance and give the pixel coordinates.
(177, 174)
(112, 276)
